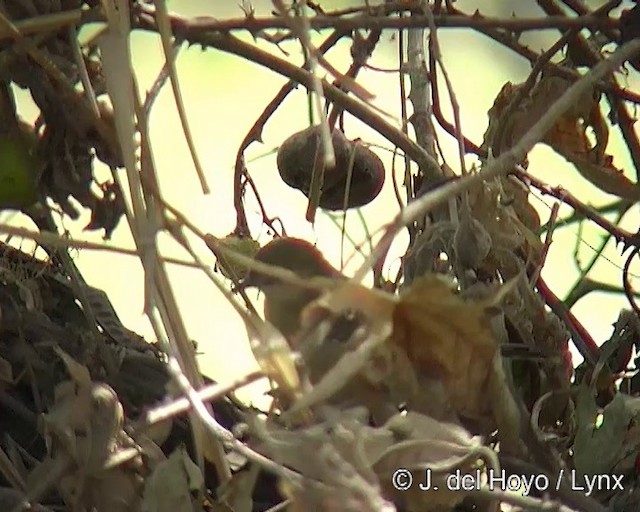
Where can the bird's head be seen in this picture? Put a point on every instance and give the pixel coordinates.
(293, 254)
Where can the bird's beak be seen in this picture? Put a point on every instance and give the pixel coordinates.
(251, 280)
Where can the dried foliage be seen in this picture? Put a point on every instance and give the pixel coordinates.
(459, 371)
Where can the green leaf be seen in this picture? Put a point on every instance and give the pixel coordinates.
(18, 188)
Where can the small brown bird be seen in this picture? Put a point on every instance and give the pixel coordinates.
(283, 306)
(284, 302)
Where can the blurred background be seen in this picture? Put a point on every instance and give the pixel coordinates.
(224, 95)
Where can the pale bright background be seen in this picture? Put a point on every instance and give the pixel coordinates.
(223, 97)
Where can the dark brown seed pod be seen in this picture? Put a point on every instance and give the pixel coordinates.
(295, 165)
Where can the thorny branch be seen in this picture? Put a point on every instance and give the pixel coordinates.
(278, 447)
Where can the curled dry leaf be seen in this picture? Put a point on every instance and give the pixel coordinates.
(631, 439)
(237, 494)
(338, 453)
(517, 196)
(568, 137)
(597, 449)
(275, 357)
(244, 245)
(424, 443)
(419, 426)
(370, 306)
(170, 486)
(434, 326)
(449, 339)
(346, 380)
(375, 305)
(116, 491)
(6, 371)
(505, 212)
(434, 334)
(353, 369)
(84, 432)
(13, 499)
(504, 131)
(471, 242)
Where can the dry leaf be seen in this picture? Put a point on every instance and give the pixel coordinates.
(568, 136)
(449, 339)
(116, 491)
(434, 325)
(338, 452)
(518, 195)
(237, 493)
(471, 242)
(275, 357)
(84, 429)
(597, 449)
(13, 499)
(361, 370)
(498, 208)
(374, 304)
(426, 447)
(6, 371)
(504, 131)
(244, 245)
(170, 486)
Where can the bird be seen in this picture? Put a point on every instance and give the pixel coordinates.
(283, 301)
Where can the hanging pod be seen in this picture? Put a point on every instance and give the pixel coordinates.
(295, 165)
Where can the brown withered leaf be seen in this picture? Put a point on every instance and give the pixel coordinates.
(506, 127)
(568, 137)
(338, 452)
(493, 136)
(171, 485)
(373, 304)
(518, 195)
(435, 327)
(449, 339)
(505, 214)
(425, 443)
(428, 332)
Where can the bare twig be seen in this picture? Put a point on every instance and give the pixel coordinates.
(628, 289)
(258, 24)
(209, 393)
(164, 27)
